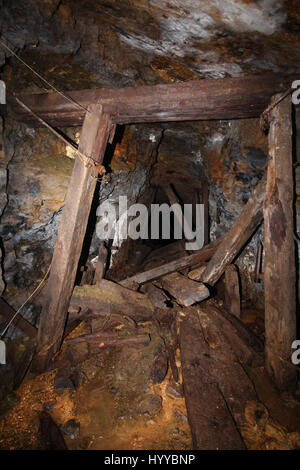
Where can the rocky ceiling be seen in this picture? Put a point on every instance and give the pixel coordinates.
(87, 43)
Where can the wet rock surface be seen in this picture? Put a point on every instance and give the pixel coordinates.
(150, 42)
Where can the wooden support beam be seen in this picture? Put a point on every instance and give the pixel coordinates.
(157, 296)
(226, 98)
(243, 228)
(257, 274)
(279, 260)
(248, 348)
(232, 290)
(215, 347)
(102, 340)
(110, 298)
(94, 136)
(216, 387)
(184, 290)
(181, 263)
(101, 264)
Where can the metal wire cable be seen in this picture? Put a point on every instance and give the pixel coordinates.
(42, 78)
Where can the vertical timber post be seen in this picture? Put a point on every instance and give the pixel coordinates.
(232, 290)
(279, 261)
(93, 140)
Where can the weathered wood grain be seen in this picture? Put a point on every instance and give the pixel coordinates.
(184, 290)
(279, 245)
(226, 98)
(216, 388)
(232, 290)
(109, 298)
(94, 136)
(101, 264)
(243, 228)
(178, 264)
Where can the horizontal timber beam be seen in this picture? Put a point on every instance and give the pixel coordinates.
(226, 98)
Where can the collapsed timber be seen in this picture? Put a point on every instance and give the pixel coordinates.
(114, 312)
(216, 347)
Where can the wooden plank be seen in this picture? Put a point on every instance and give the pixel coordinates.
(101, 264)
(226, 98)
(184, 290)
(279, 260)
(243, 228)
(7, 313)
(196, 274)
(157, 296)
(184, 262)
(103, 340)
(94, 136)
(110, 298)
(257, 274)
(247, 347)
(232, 290)
(215, 386)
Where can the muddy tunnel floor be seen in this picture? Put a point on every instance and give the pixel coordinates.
(115, 404)
(125, 397)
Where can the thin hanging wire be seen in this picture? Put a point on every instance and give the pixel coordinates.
(42, 78)
(23, 305)
(61, 137)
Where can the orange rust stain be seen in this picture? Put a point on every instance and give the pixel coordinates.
(125, 154)
(216, 166)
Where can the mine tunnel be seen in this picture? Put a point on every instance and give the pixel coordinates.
(149, 226)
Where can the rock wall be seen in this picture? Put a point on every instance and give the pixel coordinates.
(237, 158)
(121, 43)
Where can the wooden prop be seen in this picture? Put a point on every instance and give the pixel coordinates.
(232, 290)
(279, 245)
(183, 262)
(102, 340)
(257, 274)
(216, 386)
(101, 264)
(243, 228)
(94, 136)
(184, 290)
(225, 98)
(110, 298)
